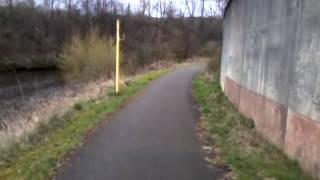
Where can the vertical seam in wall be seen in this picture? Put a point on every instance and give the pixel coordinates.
(293, 63)
(244, 36)
(223, 55)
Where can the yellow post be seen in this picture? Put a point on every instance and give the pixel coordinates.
(118, 57)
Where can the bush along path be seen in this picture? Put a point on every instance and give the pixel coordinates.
(45, 150)
(235, 139)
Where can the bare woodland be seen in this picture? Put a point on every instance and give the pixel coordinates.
(33, 33)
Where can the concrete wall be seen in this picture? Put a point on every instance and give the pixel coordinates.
(271, 71)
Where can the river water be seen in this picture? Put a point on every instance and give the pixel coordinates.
(22, 90)
(26, 83)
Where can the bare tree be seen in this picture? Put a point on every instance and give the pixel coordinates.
(191, 6)
(86, 7)
(161, 6)
(128, 10)
(31, 3)
(170, 10)
(71, 4)
(220, 7)
(202, 8)
(9, 3)
(142, 7)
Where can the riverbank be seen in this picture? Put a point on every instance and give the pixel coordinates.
(43, 152)
(33, 97)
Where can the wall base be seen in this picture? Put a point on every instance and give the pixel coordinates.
(269, 116)
(298, 135)
(303, 142)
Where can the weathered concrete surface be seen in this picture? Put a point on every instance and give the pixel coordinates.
(271, 66)
(153, 138)
(232, 89)
(268, 115)
(302, 141)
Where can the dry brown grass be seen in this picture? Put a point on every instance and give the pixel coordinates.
(89, 57)
(214, 60)
(38, 110)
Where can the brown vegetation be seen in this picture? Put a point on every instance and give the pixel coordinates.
(32, 35)
(88, 57)
(215, 57)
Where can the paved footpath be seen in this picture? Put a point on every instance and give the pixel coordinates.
(152, 138)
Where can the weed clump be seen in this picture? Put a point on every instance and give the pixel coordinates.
(89, 57)
(78, 107)
(214, 60)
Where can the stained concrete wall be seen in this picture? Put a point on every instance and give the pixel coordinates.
(271, 71)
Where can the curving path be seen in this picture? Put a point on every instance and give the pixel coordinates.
(153, 138)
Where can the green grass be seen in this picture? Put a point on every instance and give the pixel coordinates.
(45, 151)
(235, 138)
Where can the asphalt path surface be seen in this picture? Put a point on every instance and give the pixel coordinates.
(154, 137)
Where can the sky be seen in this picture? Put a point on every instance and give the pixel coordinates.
(210, 5)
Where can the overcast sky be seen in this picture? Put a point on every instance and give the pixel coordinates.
(210, 5)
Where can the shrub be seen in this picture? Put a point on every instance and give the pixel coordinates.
(87, 58)
(209, 48)
(214, 60)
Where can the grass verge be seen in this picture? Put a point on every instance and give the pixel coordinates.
(44, 152)
(236, 140)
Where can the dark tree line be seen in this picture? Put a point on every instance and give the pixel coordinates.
(33, 34)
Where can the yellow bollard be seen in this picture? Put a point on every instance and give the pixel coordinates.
(118, 57)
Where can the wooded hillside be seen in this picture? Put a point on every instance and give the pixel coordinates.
(32, 35)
